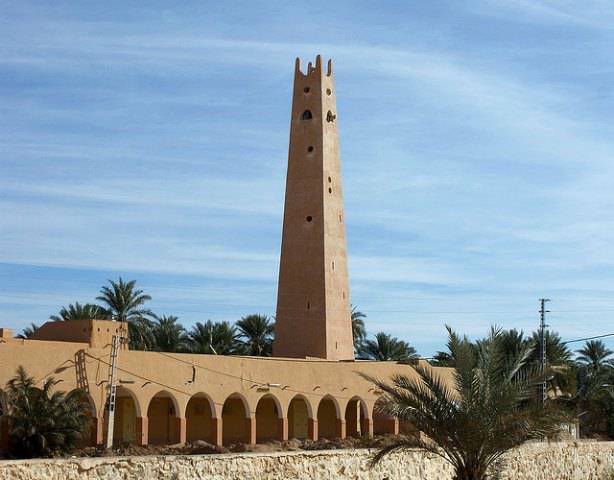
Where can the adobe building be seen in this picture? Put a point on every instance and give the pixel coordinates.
(311, 388)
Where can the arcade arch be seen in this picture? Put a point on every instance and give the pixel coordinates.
(162, 419)
(268, 415)
(328, 416)
(299, 413)
(236, 424)
(356, 415)
(199, 415)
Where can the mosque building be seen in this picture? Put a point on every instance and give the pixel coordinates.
(311, 388)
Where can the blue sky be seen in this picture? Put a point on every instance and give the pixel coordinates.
(150, 141)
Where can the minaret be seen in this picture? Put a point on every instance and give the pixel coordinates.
(313, 307)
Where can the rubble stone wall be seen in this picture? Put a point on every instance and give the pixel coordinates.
(539, 461)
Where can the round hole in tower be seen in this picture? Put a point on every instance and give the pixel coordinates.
(330, 190)
(330, 180)
(328, 91)
(306, 89)
(306, 115)
(310, 149)
(309, 218)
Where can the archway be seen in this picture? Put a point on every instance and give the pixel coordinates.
(127, 410)
(199, 415)
(235, 421)
(382, 423)
(299, 413)
(328, 414)
(268, 413)
(356, 418)
(162, 419)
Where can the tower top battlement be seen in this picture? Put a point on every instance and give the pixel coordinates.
(311, 69)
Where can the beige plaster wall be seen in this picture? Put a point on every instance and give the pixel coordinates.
(180, 377)
(583, 461)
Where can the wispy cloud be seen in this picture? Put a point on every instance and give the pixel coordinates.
(476, 159)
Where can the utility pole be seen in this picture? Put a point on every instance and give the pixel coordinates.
(542, 342)
(112, 389)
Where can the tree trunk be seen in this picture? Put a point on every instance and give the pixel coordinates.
(469, 473)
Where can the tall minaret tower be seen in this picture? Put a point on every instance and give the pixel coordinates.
(313, 307)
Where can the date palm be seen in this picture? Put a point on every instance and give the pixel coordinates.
(594, 356)
(28, 331)
(385, 347)
(78, 311)
(216, 338)
(455, 345)
(42, 421)
(359, 332)
(256, 334)
(471, 423)
(557, 352)
(125, 304)
(168, 334)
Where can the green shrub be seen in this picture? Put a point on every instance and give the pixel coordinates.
(42, 422)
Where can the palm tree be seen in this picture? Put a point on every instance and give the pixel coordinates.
(86, 311)
(557, 352)
(28, 331)
(359, 332)
(386, 347)
(594, 377)
(513, 343)
(256, 332)
(219, 338)
(594, 355)
(471, 424)
(125, 303)
(42, 422)
(456, 346)
(168, 334)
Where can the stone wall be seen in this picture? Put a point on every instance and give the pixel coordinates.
(560, 461)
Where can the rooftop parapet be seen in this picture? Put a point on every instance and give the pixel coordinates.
(98, 333)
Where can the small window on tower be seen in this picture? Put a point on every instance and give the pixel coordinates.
(310, 149)
(330, 118)
(306, 115)
(309, 218)
(306, 89)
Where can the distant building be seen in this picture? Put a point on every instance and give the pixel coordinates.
(310, 389)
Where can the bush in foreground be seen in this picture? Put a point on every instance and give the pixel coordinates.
(42, 422)
(489, 412)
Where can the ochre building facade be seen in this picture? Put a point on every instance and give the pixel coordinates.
(312, 388)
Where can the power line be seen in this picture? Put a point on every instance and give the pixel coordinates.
(588, 338)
